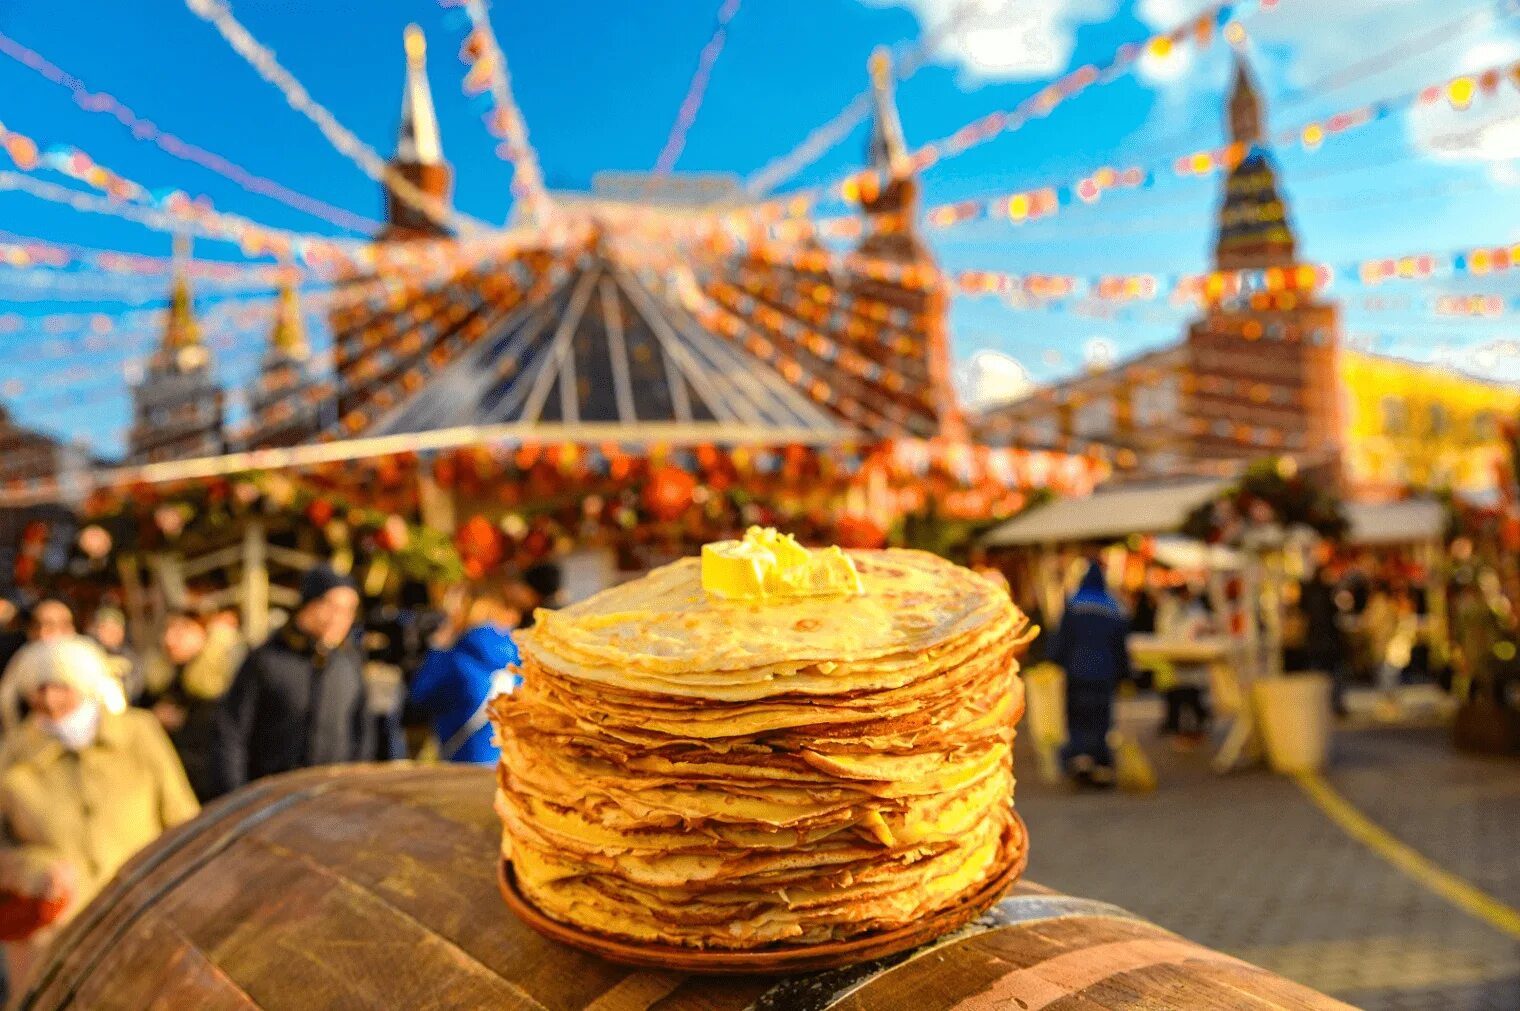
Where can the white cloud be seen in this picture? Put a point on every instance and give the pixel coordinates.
(1161, 16)
(1317, 38)
(989, 378)
(1488, 130)
(1354, 51)
(1496, 361)
(1000, 40)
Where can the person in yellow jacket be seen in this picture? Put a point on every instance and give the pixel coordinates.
(83, 786)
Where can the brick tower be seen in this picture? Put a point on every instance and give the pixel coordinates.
(1262, 360)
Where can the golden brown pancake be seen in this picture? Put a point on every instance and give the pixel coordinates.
(687, 769)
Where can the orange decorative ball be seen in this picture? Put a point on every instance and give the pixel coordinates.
(669, 493)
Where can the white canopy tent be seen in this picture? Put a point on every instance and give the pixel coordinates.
(1412, 521)
(1106, 515)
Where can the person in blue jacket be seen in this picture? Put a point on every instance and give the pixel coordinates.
(1091, 646)
(455, 683)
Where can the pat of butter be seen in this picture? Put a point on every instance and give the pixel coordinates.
(736, 569)
(771, 564)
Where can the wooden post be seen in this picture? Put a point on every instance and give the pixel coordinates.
(434, 503)
(1432, 558)
(168, 570)
(1273, 660)
(139, 632)
(255, 596)
(1051, 586)
(1250, 602)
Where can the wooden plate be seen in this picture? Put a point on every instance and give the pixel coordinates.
(774, 959)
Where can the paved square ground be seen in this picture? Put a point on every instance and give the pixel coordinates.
(1248, 864)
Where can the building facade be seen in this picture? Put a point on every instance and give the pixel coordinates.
(1408, 425)
(178, 409)
(285, 403)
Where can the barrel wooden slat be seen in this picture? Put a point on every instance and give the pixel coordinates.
(437, 876)
(279, 943)
(185, 978)
(375, 888)
(1080, 962)
(152, 873)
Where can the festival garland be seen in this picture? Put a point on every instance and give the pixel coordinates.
(855, 188)
(263, 61)
(488, 73)
(194, 517)
(1271, 491)
(145, 130)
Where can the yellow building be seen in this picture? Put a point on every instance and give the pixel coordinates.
(1411, 425)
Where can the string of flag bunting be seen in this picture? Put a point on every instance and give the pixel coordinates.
(831, 134)
(146, 130)
(488, 73)
(1478, 261)
(1462, 93)
(691, 103)
(217, 14)
(856, 187)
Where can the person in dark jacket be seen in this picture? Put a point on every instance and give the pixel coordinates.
(456, 682)
(299, 699)
(1091, 646)
(1325, 647)
(199, 664)
(12, 627)
(109, 630)
(544, 582)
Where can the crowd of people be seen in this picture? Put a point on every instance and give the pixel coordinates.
(104, 747)
(1351, 621)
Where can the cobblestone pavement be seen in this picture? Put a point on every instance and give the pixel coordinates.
(1247, 864)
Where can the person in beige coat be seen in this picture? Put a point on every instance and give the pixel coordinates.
(83, 787)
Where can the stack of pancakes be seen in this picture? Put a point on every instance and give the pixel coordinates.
(685, 769)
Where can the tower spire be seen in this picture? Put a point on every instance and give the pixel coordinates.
(1245, 111)
(889, 192)
(419, 151)
(180, 330)
(887, 151)
(418, 142)
(288, 337)
(1255, 231)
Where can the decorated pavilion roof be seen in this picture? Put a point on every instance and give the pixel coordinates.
(789, 340)
(599, 342)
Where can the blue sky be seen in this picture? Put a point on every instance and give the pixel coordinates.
(600, 82)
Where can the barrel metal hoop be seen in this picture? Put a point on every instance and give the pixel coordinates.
(818, 991)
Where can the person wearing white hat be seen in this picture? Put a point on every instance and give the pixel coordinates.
(84, 784)
(73, 659)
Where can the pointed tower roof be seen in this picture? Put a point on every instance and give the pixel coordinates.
(288, 338)
(1245, 114)
(181, 330)
(887, 151)
(419, 142)
(1255, 230)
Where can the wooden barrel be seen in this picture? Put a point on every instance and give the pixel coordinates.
(374, 887)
